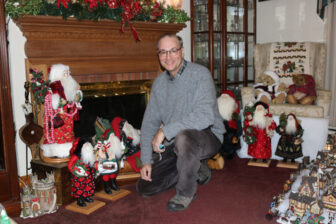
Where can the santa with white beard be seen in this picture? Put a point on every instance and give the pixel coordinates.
(261, 125)
(289, 145)
(61, 107)
(83, 167)
(229, 111)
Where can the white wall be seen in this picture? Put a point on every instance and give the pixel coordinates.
(289, 20)
(18, 77)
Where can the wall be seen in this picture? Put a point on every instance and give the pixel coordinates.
(289, 20)
(18, 77)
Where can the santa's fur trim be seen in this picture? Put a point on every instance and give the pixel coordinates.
(58, 150)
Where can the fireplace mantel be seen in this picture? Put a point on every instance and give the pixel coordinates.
(91, 48)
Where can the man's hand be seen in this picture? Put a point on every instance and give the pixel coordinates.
(158, 140)
(146, 172)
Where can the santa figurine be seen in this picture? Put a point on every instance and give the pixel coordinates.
(61, 107)
(130, 138)
(83, 167)
(289, 145)
(259, 128)
(109, 154)
(229, 110)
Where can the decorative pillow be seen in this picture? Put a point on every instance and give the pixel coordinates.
(288, 59)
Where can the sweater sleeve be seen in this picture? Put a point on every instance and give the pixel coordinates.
(150, 125)
(203, 109)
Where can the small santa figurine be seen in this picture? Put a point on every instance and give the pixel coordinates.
(130, 138)
(62, 103)
(229, 110)
(289, 145)
(109, 154)
(259, 128)
(83, 167)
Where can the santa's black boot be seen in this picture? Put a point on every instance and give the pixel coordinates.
(285, 160)
(107, 188)
(293, 160)
(80, 202)
(88, 199)
(114, 185)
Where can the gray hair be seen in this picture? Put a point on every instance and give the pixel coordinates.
(169, 35)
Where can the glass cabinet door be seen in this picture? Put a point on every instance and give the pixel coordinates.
(227, 27)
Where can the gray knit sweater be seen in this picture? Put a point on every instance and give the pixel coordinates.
(186, 102)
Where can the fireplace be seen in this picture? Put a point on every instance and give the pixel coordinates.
(125, 99)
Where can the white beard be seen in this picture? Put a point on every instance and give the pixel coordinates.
(70, 88)
(291, 126)
(116, 147)
(259, 119)
(131, 132)
(88, 156)
(226, 105)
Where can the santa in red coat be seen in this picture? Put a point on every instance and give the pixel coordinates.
(61, 107)
(83, 167)
(262, 126)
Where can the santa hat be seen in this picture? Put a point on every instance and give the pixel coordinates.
(57, 72)
(77, 147)
(117, 125)
(230, 93)
(273, 75)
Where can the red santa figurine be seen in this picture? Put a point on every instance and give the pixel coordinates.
(259, 128)
(229, 111)
(62, 103)
(83, 167)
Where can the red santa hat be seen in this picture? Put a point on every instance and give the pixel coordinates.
(117, 125)
(230, 93)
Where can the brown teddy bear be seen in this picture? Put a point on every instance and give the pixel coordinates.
(269, 89)
(302, 91)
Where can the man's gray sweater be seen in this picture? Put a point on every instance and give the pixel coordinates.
(186, 102)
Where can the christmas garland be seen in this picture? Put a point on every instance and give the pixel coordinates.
(117, 10)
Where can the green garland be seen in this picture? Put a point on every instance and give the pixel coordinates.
(80, 10)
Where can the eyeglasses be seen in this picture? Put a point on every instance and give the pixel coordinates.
(172, 52)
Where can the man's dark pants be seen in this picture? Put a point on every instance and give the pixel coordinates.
(180, 163)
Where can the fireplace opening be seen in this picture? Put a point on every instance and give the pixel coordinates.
(125, 99)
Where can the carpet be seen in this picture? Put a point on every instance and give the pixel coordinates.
(238, 194)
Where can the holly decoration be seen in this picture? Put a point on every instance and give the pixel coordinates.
(39, 86)
(78, 164)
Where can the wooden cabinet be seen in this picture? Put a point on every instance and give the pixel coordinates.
(9, 187)
(223, 37)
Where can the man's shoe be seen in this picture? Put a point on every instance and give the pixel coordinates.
(204, 173)
(179, 203)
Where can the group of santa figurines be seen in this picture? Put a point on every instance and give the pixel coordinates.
(259, 125)
(102, 155)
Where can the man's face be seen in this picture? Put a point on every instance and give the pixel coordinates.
(170, 54)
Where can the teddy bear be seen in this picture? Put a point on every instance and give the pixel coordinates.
(302, 90)
(269, 89)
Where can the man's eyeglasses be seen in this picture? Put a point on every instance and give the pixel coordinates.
(172, 52)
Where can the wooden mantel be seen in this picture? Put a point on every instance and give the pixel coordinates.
(90, 47)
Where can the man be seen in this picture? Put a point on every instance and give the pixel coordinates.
(182, 114)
